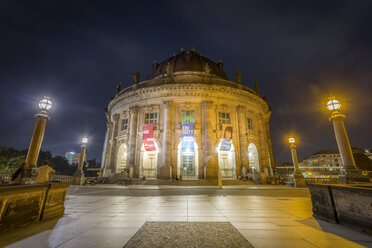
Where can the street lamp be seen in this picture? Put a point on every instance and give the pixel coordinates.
(349, 171)
(37, 137)
(79, 174)
(298, 178)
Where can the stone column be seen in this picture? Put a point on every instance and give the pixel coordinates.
(132, 139)
(270, 147)
(349, 171)
(36, 140)
(298, 178)
(243, 139)
(210, 155)
(165, 168)
(106, 148)
(114, 134)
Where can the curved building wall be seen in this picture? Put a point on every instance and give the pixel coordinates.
(208, 98)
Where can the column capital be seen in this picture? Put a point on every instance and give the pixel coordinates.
(134, 109)
(240, 108)
(336, 115)
(115, 117)
(207, 104)
(167, 104)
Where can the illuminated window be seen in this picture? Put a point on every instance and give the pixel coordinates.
(250, 124)
(124, 125)
(188, 116)
(151, 118)
(224, 118)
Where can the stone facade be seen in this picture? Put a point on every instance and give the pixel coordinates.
(167, 95)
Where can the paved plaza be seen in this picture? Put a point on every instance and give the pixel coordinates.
(108, 216)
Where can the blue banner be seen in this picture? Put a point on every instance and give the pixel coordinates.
(187, 134)
(227, 131)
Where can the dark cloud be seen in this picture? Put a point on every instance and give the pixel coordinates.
(76, 51)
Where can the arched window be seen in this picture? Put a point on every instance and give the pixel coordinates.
(121, 159)
(253, 158)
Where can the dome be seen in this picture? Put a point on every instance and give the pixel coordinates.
(188, 61)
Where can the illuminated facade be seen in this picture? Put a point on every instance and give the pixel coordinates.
(188, 88)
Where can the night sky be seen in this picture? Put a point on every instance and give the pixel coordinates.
(300, 52)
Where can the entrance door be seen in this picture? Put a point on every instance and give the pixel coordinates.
(187, 162)
(226, 162)
(149, 163)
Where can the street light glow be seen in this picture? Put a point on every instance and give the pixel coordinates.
(333, 104)
(84, 140)
(45, 104)
(291, 140)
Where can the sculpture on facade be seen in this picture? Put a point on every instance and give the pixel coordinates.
(169, 70)
(118, 87)
(256, 88)
(238, 76)
(136, 77)
(207, 69)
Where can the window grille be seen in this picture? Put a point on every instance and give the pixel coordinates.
(188, 116)
(151, 118)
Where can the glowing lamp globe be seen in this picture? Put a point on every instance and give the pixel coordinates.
(84, 140)
(45, 104)
(292, 140)
(333, 104)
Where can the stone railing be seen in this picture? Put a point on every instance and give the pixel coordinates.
(190, 79)
(25, 204)
(321, 180)
(343, 203)
(5, 178)
(62, 178)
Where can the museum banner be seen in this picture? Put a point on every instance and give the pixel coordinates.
(187, 134)
(227, 131)
(148, 137)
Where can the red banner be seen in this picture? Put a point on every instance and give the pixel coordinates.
(148, 138)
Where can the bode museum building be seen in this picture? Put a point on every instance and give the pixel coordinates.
(188, 120)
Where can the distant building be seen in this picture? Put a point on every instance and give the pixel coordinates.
(330, 160)
(76, 158)
(368, 153)
(325, 160)
(70, 156)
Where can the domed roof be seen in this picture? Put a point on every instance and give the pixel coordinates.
(188, 61)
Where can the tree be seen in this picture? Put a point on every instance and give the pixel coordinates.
(61, 166)
(11, 159)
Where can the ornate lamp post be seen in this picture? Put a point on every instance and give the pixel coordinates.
(298, 178)
(349, 172)
(78, 178)
(37, 137)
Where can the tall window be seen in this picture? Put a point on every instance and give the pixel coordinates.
(188, 116)
(151, 118)
(124, 125)
(250, 124)
(224, 118)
